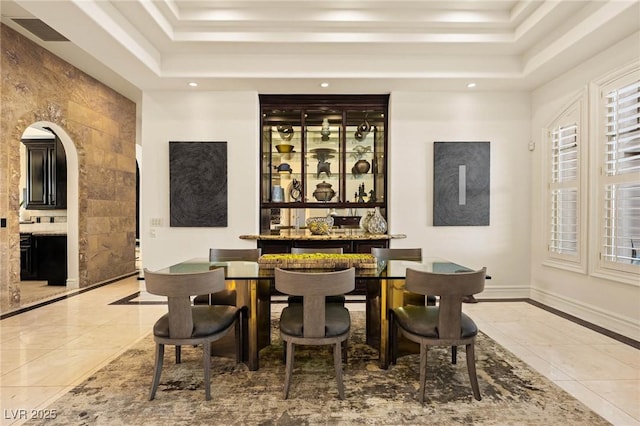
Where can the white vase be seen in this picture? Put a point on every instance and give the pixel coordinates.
(326, 131)
(364, 220)
(377, 224)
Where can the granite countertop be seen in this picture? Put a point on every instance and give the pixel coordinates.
(46, 233)
(302, 234)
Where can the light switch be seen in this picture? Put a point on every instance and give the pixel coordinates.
(152, 233)
(156, 221)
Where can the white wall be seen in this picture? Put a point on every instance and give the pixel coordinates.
(197, 116)
(613, 305)
(419, 119)
(416, 121)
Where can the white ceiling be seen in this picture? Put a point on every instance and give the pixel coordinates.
(358, 46)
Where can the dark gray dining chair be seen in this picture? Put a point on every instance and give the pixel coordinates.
(442, 325)
(314, 322)
(186, 324)
(226, 297)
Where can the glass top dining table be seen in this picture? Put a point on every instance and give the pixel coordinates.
(242, 270)
(253, 285)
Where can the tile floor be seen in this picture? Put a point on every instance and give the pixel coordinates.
(48, 350)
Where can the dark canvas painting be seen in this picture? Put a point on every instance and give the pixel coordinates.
(198, 184)
(461, 183)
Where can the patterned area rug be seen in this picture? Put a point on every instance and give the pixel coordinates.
(512, 393)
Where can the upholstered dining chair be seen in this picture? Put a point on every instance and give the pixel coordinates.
(185, 324)
(442, 325)
(330, 250)
(397, 253)
(314, 321)
(226, 297)
(404, 254)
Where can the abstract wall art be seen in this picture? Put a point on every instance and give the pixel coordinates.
(461, 183)
(198, 184)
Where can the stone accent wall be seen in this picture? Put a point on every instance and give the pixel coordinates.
(39, 86)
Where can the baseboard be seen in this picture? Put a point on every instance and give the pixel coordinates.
(504, 292)
(608, 320)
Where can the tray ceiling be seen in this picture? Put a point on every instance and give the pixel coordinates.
(357, 46)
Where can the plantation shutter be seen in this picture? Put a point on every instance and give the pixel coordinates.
(621, 174)
(564, 186)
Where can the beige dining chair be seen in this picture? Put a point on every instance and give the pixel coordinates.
(185, 324)
(314, 322)
(328, 250)
(226, 297)
(442, 325)
(397, 253)
(413, 254)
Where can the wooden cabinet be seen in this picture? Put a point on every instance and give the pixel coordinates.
(50, 255)
(321, 155)
(27, 267)
(46, 174)
(348, 246)
(43, 257)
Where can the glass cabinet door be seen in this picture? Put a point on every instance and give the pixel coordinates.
(323, 131)
(364, 156)
(282, 158)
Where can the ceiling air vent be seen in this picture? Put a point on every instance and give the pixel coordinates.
(40, 29)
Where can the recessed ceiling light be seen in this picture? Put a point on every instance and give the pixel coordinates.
(324, 84)
(193, 84)
(471, 85)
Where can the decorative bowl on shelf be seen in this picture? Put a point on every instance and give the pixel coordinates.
(320, 225)
(284, 148)
(323, 191)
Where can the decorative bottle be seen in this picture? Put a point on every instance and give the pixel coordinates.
(364, 221)
(326, 130)
(377, 224)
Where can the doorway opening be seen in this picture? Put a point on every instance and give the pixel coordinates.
(48, 213)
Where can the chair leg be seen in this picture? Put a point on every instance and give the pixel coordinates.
(206, 355)
(288, 369)
(471, 367)
(345, 349)
(337, 362)
(454, 354)
(423, 371)
(178, 354)
(157, 370)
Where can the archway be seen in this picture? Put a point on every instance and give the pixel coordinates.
(73, 250)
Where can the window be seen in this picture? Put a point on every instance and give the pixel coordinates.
(619, 182)
(564, 198)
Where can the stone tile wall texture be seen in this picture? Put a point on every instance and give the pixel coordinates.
(39, 86)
